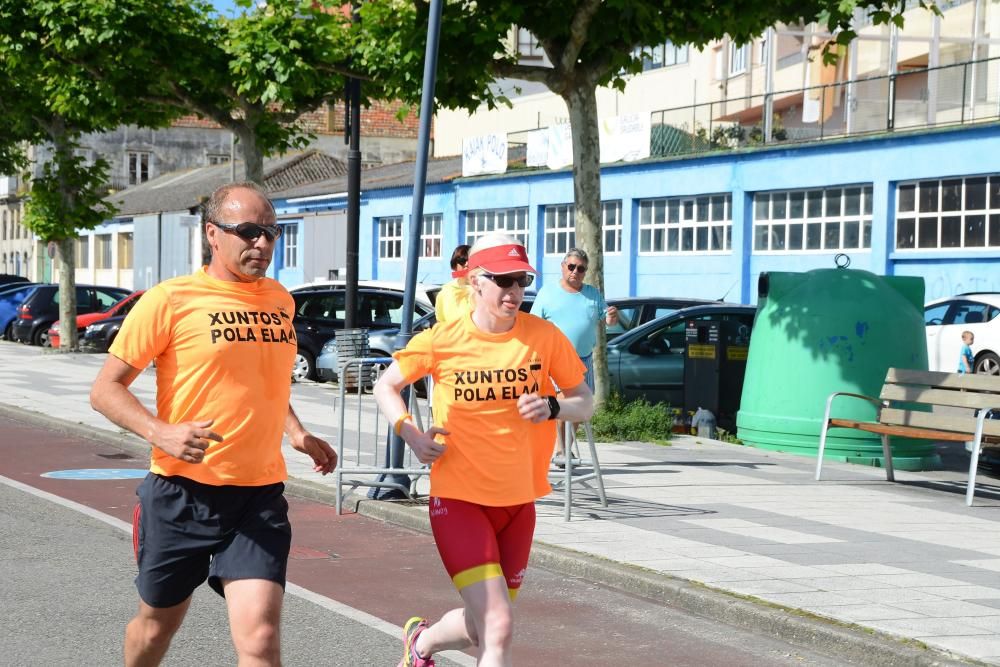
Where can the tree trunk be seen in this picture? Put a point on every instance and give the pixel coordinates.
(581, 101)
(66, 252)
(66, 247)
(253, 159)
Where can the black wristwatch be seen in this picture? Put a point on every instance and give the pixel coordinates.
(553, 407)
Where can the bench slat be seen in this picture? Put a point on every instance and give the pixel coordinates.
(936, 421)
(902, 431)
(935, 396)
(972, 381)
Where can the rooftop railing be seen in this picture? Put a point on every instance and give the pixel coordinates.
(915, 98)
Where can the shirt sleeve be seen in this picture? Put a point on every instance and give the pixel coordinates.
(417, 359)
(146, 331)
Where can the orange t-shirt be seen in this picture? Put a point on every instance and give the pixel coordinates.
(223, 351)
(493, 456)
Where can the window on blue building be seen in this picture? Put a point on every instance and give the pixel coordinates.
(390, 237)
(685, 224)
(430, 236)
(290, 241)
(813, 220)
(560, 228)
(948, 213)
(510, 221)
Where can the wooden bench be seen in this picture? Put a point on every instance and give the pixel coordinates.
(900, 410)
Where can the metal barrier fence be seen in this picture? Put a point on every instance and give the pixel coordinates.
(363, 452)
(929, 97)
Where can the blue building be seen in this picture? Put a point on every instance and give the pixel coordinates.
(922, 203)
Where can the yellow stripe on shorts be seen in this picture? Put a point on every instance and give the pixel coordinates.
(476, 574)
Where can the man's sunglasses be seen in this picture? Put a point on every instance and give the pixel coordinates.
(506, 282)
(573, 268)
(249, 231)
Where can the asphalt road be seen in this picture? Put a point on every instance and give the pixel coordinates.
(67, 587)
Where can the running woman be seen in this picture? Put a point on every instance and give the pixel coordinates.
(489, 447)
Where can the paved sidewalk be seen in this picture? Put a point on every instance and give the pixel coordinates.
(907, 560)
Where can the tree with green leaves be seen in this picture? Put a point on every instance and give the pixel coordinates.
(48, 102)
(589, 43)
(254, 74)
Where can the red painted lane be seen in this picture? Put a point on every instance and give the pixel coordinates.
(393, 573)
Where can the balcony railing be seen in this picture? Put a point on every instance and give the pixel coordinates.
(918, 98)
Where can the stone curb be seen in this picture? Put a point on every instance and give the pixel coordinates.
(853, 643)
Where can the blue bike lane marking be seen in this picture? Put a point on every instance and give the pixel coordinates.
(98, 473)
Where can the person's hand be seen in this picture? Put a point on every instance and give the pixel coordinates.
(533, 408)
(186, 441)
(611, 315)
(319, 450)
(423, 444)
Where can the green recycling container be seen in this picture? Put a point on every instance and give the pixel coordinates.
(825, 331)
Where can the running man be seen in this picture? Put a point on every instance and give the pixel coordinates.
(489, 447)
(212, 506)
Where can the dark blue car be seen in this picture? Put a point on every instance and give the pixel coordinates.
(11, 296)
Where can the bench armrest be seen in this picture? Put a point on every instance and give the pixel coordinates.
(829, 403)
(826, 423)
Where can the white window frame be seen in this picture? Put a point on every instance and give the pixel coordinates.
(739, 59)
(212, 159)
(674, 54)
(83, 252)
(126, 250)
(430, 235)
(103, 252)
(935, 216)
(699, 225)
(559, 221)
(290, 246)
(823, 211)
(527, 45)
(510, 221)
(138, 166)
(390, 237)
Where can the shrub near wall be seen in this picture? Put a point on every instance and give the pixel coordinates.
(619, 421)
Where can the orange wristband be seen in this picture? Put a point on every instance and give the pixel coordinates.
(398, 426)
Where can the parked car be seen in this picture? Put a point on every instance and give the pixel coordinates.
(648, 362)
(83, 321)
(632, 312)
(97, 337)
(319, 314)
(10, 279)
(11, 297)
(41, 308)
(946, 319)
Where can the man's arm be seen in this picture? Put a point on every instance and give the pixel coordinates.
(110, 395)
(323, 455)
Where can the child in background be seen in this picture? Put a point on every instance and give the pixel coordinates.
(965, 358)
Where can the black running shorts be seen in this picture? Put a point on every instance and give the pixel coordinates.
(185, 532)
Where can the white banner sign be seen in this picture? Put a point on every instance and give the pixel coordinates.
(625, 138)
(560, 144)
(538, 148)
(484, 155)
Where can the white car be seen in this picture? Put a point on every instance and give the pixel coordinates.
(946, 319)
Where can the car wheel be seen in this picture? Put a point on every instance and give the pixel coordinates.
(305, 366)
(41, 337)
(988, 363)
(378, 369)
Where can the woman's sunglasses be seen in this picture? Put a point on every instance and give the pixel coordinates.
(506, 282)
(249, 231)
(573, 268)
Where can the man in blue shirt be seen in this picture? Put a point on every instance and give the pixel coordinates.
(577, 309)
